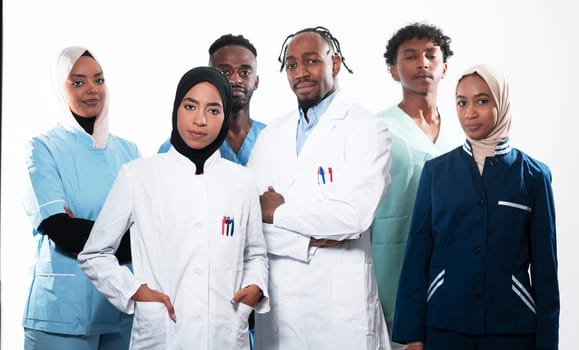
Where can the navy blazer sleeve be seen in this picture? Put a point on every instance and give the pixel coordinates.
(544, 256)
(410, 314)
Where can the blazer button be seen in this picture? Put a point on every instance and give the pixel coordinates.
(477, 297)
(481, 203)
(476, 249)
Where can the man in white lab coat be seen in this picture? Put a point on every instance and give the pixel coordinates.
(323, 170)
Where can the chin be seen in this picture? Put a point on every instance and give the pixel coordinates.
(306, 103)
(195, 145)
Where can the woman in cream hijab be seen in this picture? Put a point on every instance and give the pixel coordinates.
(71, 169)
(476, 125)
(482, 250)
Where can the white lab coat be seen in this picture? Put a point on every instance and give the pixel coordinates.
(181, 247)
(323, 298)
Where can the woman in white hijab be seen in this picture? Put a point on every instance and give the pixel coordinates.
(71, 170)
(480, 270)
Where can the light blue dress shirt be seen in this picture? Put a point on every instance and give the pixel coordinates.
(314, 114)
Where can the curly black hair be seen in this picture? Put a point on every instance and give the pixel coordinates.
(230, 39)
(418, 31)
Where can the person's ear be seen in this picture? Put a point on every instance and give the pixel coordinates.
(336, 64)
(444, 68)
(393, 69)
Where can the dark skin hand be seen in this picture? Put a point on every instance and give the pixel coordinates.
(323, 242)
(415, 346)
(69, 213)
(269, 202)
(249, 295)
(144, 293)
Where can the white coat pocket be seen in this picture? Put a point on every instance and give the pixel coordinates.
(151, 326)
(348, 290)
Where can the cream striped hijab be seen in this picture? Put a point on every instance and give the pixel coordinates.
(499, 87)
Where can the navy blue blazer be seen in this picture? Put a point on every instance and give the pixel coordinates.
(481, 255)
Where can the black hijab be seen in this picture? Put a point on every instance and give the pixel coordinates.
(190, 79)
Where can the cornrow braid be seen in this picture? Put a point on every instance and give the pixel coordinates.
(324, 33)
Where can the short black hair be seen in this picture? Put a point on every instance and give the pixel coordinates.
(325, 34)
(417, 31)
(230, 39)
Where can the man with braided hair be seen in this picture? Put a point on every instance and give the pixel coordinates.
(323, 169)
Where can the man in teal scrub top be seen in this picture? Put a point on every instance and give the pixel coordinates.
(416, 57)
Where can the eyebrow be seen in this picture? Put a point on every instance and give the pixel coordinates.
(305, 54)
(215, 104)
(409, 50)
(226, 65)
(480, 94)
(428, 49)
(84, 76)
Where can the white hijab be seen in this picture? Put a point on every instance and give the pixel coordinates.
(60, 70)
(500, 89)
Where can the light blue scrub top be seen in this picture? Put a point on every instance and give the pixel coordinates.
(389, 231)
(67, 171)
(243, 155)
(226, 151)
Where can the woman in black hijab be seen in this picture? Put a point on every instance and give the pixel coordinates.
(199, 255)
(190, 79)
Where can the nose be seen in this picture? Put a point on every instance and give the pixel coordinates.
(93, 88)
(301, 71)
(423, 62)
(200, 118)
(234, 78)
(470, 112)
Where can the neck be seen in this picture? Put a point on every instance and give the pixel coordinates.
(240, 122)
(422, 110)
(422, 107)
(305, 108)
(239, 126)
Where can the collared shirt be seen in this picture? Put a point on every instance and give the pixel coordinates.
(356, 145)
(314, 115)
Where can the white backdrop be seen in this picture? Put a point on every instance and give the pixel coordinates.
(145, 46)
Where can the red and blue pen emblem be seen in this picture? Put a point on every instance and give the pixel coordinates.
(227, 226)
(325, 176)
